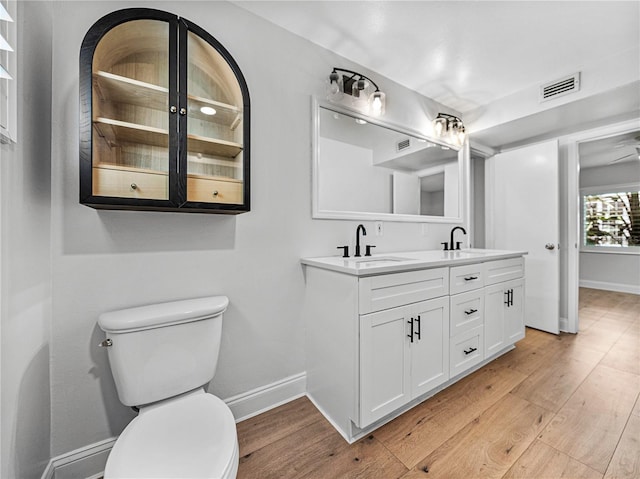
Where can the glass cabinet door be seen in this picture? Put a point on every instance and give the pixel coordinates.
(214, 127)
(130, 111)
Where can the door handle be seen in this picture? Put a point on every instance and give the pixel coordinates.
(410, 336)
(550, 246)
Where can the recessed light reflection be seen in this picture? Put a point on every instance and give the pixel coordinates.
(207, 110)
(360, 121)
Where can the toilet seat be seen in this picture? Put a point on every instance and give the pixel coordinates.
(191, 436)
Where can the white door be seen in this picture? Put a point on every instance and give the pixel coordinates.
(521, 189)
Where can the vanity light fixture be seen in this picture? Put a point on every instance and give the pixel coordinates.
(449, 127)
(357, 85)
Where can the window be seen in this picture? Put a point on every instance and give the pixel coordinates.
(611, 218)
(8, 89)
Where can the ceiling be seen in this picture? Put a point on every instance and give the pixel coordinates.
(465, 54)
(613, 150)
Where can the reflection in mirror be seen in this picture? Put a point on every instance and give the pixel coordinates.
(364, 170)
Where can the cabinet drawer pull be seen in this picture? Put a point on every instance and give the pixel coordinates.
(134, 186)
(470, 278)
(215, 193)
(410, 336)
(470, 350)
(418, 321)
(471, 311)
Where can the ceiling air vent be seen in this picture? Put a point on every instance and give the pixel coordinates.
(560, 87)
(403, 144)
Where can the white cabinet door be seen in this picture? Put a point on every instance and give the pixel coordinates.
(514, 312)
(494, 303)
(504, 315)
(384, 363)
(430, 346)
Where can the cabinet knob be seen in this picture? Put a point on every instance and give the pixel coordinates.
(215, 193)
(134, 186)
(183, 111)
(173, 109)
(550, 246)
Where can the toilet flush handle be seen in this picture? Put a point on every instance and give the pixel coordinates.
(107, 343)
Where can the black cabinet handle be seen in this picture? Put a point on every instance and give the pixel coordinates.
(471, 311)
(419, 328)
(410, 336)
(511, 297)
(470, 278)
(470, 350)
(508, 297)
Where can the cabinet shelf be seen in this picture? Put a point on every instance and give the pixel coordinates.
(116, 131)
(120, 89)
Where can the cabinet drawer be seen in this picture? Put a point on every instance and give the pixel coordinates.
(466, 350)
(390, 290)
(503, 270)
(466, 278)
(467, 311)
(206, 190)
(124, 183)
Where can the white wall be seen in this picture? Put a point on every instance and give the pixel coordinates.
(103, 260)
(25, 294)
(611, 271)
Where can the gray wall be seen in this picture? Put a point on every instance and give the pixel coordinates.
(25, 264)
(104, 260)
(613, 271)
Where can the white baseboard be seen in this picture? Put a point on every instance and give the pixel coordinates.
(249, 404)
(564, 325)
(619, 287)
(89, 461)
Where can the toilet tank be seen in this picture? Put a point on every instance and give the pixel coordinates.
(162, 350)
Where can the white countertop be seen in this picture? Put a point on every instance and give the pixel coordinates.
(407, 260)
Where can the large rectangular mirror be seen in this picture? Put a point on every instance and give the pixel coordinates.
(365, 169)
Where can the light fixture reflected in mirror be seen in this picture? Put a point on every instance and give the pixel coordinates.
(359, 87)
(450, 128)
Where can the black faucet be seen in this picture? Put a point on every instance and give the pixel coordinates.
(364, 233)
(453, 246)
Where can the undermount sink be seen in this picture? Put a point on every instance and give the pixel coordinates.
(466, 253)
(377, 261)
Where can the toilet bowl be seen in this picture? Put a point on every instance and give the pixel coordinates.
(193, 436)
(161, 356)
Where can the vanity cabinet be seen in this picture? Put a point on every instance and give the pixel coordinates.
(164, 117)
(378, 343)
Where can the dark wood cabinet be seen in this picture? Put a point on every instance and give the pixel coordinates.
(164, 117)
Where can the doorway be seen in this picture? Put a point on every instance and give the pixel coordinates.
(578, 151)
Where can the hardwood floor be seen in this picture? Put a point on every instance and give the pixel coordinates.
(562, 406)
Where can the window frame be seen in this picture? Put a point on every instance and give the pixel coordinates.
(604, 190)
(8, 109)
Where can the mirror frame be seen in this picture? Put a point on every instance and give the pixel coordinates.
(463, 164)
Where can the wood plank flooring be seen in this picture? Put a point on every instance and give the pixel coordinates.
(562, 406)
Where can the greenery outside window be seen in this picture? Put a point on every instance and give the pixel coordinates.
(611, 218)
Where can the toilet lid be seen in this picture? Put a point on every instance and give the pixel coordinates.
(193, 436)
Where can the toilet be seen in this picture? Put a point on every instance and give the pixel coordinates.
(161, 357)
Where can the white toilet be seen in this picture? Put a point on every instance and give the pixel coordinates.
(161, 356)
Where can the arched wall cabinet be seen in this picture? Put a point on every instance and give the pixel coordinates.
(164, 117)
